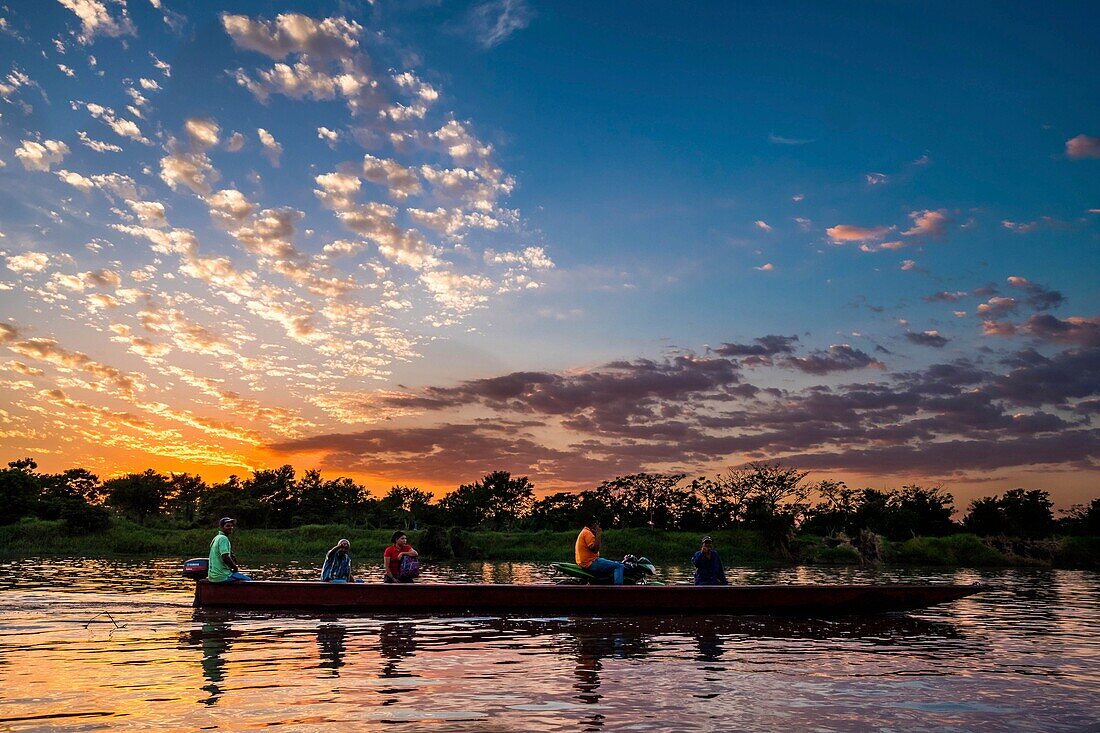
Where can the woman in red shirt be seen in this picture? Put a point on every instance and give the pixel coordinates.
(391, 558)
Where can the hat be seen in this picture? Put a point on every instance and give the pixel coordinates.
(707, 539)
(226, 520)
(344, 542)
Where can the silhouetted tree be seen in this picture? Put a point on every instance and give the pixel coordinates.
(184, 492)
(647, 499)
(1080, 519)
(985, 517)
(916, 510)
(73, 489)
(1027, 513)
(497, 501)
(19, 490)
(137, 496)
(405, 507)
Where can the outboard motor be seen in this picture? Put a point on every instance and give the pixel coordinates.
(196, 568)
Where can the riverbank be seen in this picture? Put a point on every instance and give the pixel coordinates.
(737, 546)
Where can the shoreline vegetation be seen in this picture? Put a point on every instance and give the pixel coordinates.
(764, 513)
(32, 538)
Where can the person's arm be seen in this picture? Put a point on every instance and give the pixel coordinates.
(409, 553)
(386, 566)
(721, 570)
(230, 561)
(597, 539)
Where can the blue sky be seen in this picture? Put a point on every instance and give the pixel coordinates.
(418, 241)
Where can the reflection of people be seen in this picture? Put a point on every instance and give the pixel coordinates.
(392, 559)
(222, 566)
(708, 566)
(709, 645)
(396, 641)
(330, 642)
(214, 639)
(587, 553)
(337, 567)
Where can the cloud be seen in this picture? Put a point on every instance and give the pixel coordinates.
(96, 145)
(927, 223)
(998, 306)
(779, 140)
(766, 267)
(191, 168)
(1038, 297)
(763, 225)
(289, 33)
(1083, 146)
(50, 351)
(95, 19)
(1074, 330)
(329, 136)
(271, 149)
(40, 156)
(875, 179)
(927, 338)
(493, 22)
(202, 131)
(842, 233)
(122, 126)
(402, 182)
(28, 262)
(837, 358)
(946, 296)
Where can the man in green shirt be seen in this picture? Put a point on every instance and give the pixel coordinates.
(223, 567)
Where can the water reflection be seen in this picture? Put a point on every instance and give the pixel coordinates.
(332, 647)
(970, 665)
(396, 642)
(212, 641)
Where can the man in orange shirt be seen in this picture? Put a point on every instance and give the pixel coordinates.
(587, 552)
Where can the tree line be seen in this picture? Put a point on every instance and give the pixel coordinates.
(769, 497)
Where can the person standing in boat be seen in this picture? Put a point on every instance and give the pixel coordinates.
(399, 553)
(222, 566)
(337, 567)
(708, 566)
(587, 552)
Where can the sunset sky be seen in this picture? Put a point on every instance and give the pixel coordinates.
(415, 241)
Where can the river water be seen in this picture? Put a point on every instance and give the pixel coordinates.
(90, 644)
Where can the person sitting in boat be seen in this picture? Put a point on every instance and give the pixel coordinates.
(398, 560)
(337, 567)
(587, 552)
(708, 566)
(222, 566)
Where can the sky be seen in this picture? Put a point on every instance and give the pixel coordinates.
(416, 241)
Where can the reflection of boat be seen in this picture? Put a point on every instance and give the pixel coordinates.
(813, 600)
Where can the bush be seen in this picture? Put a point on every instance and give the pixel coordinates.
(80, 518)
(1078, 552)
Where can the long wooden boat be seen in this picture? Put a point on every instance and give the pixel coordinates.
(599, 600)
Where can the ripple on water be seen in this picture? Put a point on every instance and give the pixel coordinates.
(1020, 657)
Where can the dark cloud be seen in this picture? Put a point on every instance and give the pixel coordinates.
(927, 338)
(1038, 297)
(689, 412)
(838, 358)
(769, 345)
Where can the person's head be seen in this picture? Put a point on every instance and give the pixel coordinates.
(343, 545)
(593, 522)
(227, 524)
(399, 539)
(707, 544)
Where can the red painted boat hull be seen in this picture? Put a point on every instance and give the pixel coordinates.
(599, 600)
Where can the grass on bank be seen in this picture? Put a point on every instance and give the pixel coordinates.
(737, 546)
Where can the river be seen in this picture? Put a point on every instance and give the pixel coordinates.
(93, 644)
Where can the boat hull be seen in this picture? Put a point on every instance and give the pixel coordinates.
(460, 598)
